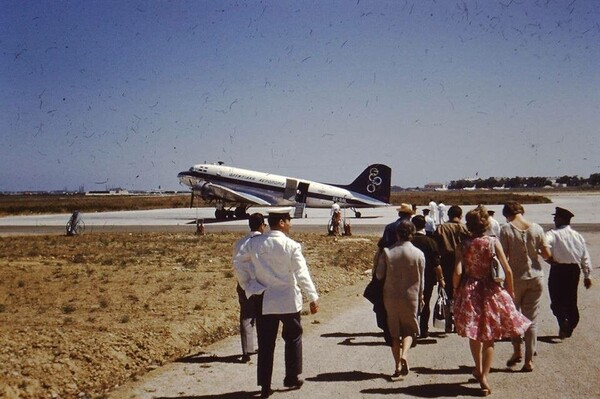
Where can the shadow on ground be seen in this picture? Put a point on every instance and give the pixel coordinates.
(203, 358)
(428, 391)
(349, 376)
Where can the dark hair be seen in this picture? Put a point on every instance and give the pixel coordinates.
(478, 220)
(274, 218)
(455, 211)
(419, 222)
(255, 221)
(405, 230)
(512, 208)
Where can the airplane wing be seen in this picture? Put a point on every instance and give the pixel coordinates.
(231, 195)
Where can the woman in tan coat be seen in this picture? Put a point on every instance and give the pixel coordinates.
(403, 267)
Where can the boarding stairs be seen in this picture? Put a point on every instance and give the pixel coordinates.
(299, 211)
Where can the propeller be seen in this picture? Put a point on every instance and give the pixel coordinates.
(192, 200)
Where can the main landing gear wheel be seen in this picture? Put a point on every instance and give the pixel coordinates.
(240, 212)
(220, 214)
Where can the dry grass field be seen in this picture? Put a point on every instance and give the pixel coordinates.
(81, 314)
(57, 203)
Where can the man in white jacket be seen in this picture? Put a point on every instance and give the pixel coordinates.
(280, 272)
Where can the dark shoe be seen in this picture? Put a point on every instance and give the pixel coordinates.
(292, 382)
(245, 358)
(424, 334)
(450, 328)
(565, 330)
(266, 392)
(562, 334)
(569, 332)
(404, 370)
(513, 361)
(527, 368)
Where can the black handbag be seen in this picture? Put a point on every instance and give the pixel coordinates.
(441, 308)
(374, 291)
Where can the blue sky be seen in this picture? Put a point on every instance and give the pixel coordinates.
(127, 94)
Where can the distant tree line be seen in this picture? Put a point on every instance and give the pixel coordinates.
(526, 182)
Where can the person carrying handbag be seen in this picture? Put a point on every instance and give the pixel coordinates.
(483, 311)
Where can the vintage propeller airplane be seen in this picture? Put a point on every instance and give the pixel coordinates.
(234, 190)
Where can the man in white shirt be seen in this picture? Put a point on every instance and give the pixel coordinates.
(494, 229)
(441, 213)
(429, 223)
(280, 272)
(569, 257)
(257, 225)
(334, 226)
(433, 210)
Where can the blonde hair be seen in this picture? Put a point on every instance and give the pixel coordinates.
(478, 220)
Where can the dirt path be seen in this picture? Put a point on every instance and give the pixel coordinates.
(344, 358)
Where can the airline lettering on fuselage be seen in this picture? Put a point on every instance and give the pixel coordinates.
(339, 200)
(271, 182)
(254, 178)
(374, 179)
(239, 176)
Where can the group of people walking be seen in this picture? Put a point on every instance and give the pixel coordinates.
(458, 257)
(410, 260)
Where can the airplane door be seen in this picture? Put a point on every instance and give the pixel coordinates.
(290, 189)
(302, 192)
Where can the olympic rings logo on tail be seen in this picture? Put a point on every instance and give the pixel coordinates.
(375, 180)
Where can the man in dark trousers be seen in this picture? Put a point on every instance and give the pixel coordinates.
(257, 225)
(433, 270)
(569, 257)
(280, 272)
(448, 237)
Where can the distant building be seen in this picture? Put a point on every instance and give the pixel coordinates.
(112, 191)
(435, 186)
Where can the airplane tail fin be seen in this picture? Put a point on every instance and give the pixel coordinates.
(375, 182)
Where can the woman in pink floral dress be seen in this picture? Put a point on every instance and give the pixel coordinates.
(483, 310)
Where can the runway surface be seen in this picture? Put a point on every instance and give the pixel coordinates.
(586, 208)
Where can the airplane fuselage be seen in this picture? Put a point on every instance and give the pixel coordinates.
(270, 188)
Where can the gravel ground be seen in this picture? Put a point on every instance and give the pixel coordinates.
(344, 358)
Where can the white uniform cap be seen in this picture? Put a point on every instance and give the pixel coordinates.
(280, 211)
